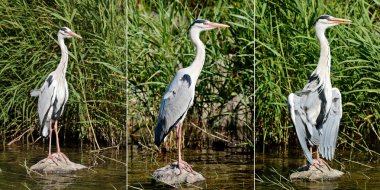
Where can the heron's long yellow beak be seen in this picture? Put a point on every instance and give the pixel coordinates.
(217, 25)
(340, 20)
(74, 35)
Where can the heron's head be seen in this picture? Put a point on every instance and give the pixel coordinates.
(327, 21)
(65, 32)
(203, 25)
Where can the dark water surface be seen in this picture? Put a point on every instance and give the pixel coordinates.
(362, 170)
(104, 173)
(228, 169)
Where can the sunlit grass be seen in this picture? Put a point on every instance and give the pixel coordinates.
(95, 74)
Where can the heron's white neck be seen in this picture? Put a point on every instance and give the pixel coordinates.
(200, 56)
(62, 66)
(323, 68)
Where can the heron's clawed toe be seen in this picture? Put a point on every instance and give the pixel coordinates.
(319, 164)
(53, 158)
(182, 165)
(63, 156)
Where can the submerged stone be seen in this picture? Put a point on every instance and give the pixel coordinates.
(311, 173)
(171, 175)
(56, 163)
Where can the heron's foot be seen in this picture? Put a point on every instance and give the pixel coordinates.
(319, 163)
(53, 158)
(182, 165)
(62, 155)
(324, 163)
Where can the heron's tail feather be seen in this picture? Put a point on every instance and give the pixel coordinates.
(35, 92)
(159, 133)
(45, 129)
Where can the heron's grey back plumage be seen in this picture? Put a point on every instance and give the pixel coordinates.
(175, 103)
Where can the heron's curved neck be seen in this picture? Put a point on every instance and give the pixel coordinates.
(64, 57)
(199, 60)
(325, 57)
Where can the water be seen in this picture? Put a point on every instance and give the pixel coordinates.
(104, 173)
(229, 169)
(362, 171)
(232, 169)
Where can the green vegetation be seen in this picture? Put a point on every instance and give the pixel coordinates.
(159, 45)
(287, 52)
(96, 71)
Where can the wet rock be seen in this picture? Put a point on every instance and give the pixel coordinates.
(312, 173)
(172, 176)
(56, 163)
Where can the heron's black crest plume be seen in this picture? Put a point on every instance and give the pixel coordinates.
(63, 29)
(197, 21)
(322, 17)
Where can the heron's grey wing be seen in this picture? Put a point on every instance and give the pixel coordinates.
(299, 121)
(331, 127)
(45, 101)
(174, 105)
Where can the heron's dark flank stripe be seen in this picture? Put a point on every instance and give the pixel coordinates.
(186, 78)
(323, 110)
(49, 80)
(313, 78)
(54, 114)
(59, 112)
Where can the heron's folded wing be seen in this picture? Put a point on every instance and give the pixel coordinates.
(331, 127)
(46, 100)
(174, 105)
(299, 121)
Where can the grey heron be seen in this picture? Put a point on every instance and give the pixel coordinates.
(179, 94)
(316, 110)
(53, 94)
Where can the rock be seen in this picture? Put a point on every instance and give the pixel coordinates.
(171, 175)
(56, 163)
(312, 173)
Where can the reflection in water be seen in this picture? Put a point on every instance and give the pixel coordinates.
(229, 169)
(55, 181)
(107, 169)
(361, 170)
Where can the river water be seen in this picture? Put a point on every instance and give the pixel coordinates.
(233, 169)
(107, 171)
(228, 169)
(362, 170)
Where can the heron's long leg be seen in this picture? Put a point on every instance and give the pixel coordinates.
(56, 136)
(179, 125)
(181, 164)
(317, 154)
(50, 133)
